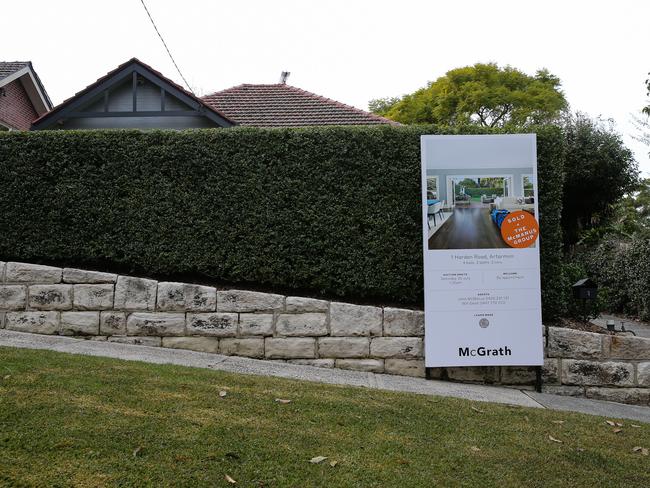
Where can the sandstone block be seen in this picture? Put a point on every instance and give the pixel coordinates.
(79, 323)
(50, 297)
(396, 347)
(643, 373)
(72, 275)
(135, 293)
(93, 297)
(290, 348)
(551, 370)
(248, 301)
(13, 297)
(303, 324)
(212, 324)
(354, 320)
(572, 391)
(629, 347)
(112, 323)
(155, 324)
(201, 344)
(343, 347)
(606, 373)
(300, 304)
(186, 297)
(137, 341)
(518, 375)
(318, 363)
(403, 323)
(256, 324)
(474, 374)
(35, 322)
(574, 344)
(405, 367)
(368, 365)
(31, 273)
(636, 396)
(252, 347)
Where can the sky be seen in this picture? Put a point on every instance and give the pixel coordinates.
(348, 50)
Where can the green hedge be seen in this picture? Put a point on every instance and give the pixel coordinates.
(333, 211)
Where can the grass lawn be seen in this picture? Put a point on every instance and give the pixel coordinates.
(82, 421)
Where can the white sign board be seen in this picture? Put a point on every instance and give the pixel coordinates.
(482, 295)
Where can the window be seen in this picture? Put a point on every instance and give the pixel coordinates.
(432, 187)
(527, 185)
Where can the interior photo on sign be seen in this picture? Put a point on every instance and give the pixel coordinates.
(466, 208)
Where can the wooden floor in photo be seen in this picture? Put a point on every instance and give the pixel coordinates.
(468, 228)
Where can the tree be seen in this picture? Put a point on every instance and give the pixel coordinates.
(483, 94)
(599, 170)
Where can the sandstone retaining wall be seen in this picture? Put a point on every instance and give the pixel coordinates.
(104, 306)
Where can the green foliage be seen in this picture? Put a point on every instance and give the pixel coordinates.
(483, 94)
(477, 192)
(622, 269)
(333, 211)
(575, 270)
(599, 168)
(381, 106)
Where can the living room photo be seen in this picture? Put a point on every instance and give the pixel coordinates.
(465, 208)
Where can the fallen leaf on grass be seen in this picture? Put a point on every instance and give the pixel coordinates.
(478, 410)
(635, 426)
(619, 424)
(580, 449)
(557, 421)
(475, 449)
(223, 393)
(554, 439)
(230, 480)
(643, 450)
(610, 422)
(282, 400)
(333, 463)
(616, 431)
(137, 451)
(317, 459)
(6, 377)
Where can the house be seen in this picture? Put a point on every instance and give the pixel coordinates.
(22, 95)
(134, 95)
(282, 105)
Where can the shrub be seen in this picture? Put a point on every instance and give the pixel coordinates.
(622, 269)
(334, 211)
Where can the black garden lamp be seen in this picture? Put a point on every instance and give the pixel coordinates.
(585, 290)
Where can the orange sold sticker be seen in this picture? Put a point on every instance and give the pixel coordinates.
(520, 229)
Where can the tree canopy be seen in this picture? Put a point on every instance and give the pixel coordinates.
(599, 171)
(483, 94)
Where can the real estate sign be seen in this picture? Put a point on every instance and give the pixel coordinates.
(482, 294)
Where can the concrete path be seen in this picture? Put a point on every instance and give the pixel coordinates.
(232, 364)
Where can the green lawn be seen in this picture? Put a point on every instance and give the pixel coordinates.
(81, 421)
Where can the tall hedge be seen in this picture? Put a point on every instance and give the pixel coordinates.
(334, 211)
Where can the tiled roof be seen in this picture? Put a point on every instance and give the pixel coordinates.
(8, 68)
(281, 105)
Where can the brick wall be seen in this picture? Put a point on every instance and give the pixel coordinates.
(16, 110)
(103, 306)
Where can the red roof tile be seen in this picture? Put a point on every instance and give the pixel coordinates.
(281, 105)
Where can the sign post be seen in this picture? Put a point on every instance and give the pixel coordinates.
(482, 293)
